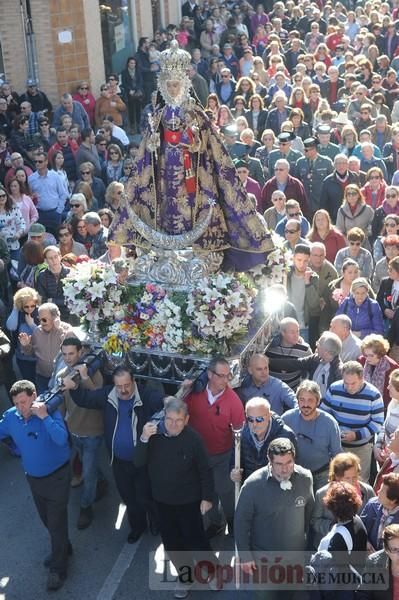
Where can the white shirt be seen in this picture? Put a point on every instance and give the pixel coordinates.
(211, 398)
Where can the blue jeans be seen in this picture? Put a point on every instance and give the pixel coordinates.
(88, 448)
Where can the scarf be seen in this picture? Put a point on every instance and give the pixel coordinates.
(377, 377)
(388, 210)
(342, 178)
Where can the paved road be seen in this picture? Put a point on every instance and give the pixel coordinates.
(103, 566)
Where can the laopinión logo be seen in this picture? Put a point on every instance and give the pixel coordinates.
(265, 571)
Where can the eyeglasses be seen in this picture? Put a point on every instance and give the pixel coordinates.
(390, 225)
(295, 214)
(114, 152)
(256, 419)
(227, 376)
(352, 194)
(85, 172)
(354, 244)
(83, 88)
(291, 230)
(390, 195)
(43, 123)
(66, 234)
(3, 195)
(39, 162)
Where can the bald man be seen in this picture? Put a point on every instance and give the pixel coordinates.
(259, 383)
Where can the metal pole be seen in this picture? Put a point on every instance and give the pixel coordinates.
(237, 485)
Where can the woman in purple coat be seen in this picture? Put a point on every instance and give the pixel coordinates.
(365, 313)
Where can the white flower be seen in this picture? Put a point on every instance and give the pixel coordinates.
(286, 485)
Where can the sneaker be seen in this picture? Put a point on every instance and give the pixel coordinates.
(85, 518)
(101, 490)
(182, 590)
(55, 581)
(76, 481)
(47, 560)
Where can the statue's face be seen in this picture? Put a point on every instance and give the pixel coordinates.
(173, 87)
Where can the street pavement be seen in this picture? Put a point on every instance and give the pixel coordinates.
(103, 565)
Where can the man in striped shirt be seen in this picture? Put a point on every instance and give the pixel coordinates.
(358, 409)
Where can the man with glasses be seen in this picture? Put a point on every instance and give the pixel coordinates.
(259, 383)
(50, 192)
(277, 212)
(213, 412)
(261, 428)
(293, 211)
(284, 182)
(332, 192)
(225, 88)
(360, 98)
(318, 435)
(286, 151)
(37, 98)
(312, 169)
(45, 342)
(292, 234)
(70, 107)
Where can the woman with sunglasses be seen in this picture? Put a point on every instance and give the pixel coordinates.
(109, 103)
(47, 135)
(113, 195)
(84, 96)
(91, 186)
(355, 250)
(389, 229)
(80, 233)
(354, 212)
(24, 318)
(78, 207)
(389, 206)
(114, 166)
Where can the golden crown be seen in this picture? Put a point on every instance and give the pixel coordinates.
(174, 62)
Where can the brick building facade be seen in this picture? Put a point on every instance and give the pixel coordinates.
(76, 39)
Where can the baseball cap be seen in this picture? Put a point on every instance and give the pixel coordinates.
(37, 229)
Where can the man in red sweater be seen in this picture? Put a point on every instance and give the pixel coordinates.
(213, 413)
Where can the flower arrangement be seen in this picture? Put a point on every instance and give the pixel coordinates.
(218, 310)
(338, 295)
(220, 307)
(278, 263)
(93, 293)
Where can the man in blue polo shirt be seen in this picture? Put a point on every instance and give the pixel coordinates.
(43, 442)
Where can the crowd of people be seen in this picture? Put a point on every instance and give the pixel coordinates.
(305, 98)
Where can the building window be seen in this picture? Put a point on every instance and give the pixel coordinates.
(116, 29)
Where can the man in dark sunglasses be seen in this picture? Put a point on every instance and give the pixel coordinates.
(262, 427)
(37, 98)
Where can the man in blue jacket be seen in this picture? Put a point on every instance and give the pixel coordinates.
(43, 442)
(127, 407)
(261, 428)
(259, 383)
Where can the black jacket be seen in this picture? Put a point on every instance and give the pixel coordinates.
(253, 459)
(332, 193)
(178, 467)
(384, 292)
(308, 366)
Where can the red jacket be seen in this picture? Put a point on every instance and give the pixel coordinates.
(213, 421)
(333, 242)
(74, 146)
(366, 191)
(294, 190)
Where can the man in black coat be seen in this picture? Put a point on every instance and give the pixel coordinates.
(262, 427)
(332, 192)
